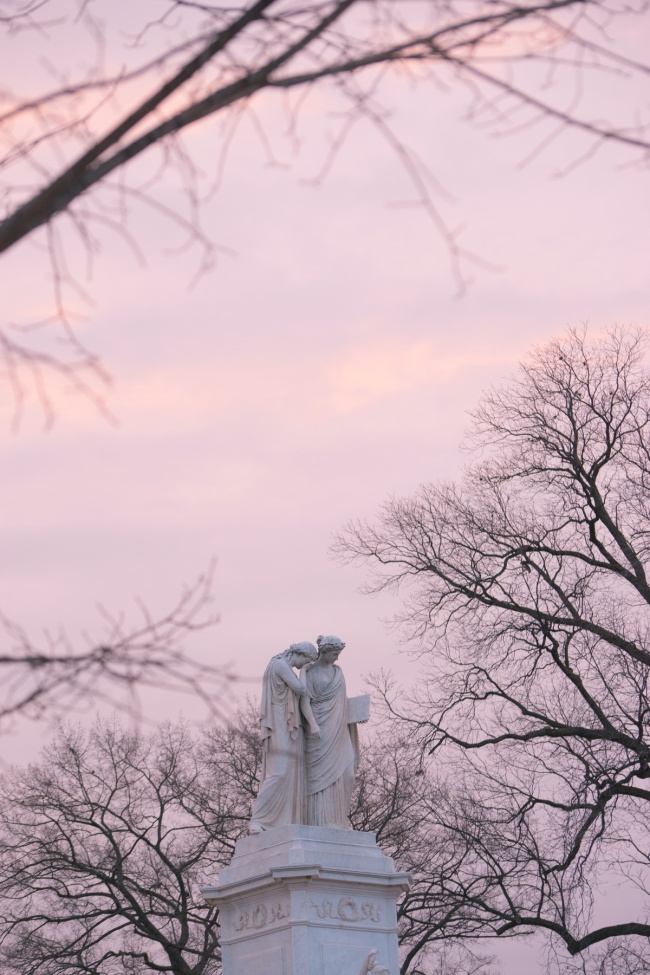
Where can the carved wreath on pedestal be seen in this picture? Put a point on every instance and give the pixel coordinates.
(261, 915)
(347, 909)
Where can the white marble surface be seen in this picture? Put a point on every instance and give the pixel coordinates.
(307, 900)
(293, 845)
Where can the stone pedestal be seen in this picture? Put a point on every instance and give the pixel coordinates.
(306, 900)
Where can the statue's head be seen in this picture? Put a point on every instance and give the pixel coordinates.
(329, 647)
(302, 653)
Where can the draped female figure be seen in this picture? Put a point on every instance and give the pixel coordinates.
(331, 756)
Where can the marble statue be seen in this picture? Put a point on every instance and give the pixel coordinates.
(282, 796)
(331, 753)
(305, 893)
(309, 739)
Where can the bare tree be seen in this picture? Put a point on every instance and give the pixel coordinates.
(104, 842)
(528, 596)
(171, 64)
(103, 846)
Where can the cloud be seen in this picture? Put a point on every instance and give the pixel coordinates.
(371, 372)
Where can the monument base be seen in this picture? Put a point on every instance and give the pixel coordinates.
(308, 900)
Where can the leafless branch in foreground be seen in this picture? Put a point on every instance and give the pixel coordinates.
(55, 678)
(70, 147)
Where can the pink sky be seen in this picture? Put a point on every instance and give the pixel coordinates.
(326, 365)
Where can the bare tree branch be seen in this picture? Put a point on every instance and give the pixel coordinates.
(55, 678)
(219, 59)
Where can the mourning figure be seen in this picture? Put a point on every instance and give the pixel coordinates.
(309, 739)
(282, 796)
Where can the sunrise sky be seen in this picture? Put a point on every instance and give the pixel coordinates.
(324, 363)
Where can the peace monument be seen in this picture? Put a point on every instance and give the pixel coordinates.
(305, 894)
